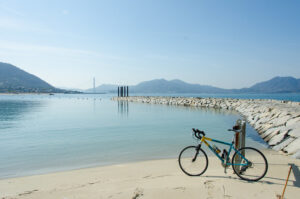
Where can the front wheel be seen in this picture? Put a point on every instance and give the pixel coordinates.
(193, 161)
(249, 164)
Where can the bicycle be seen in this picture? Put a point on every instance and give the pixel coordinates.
(248, 163)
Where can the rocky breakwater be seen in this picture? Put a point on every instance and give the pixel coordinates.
(277, 122)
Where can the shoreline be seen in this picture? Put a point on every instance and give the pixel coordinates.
(155, 179)
(277, 122)
(45, 171)
(91, 166)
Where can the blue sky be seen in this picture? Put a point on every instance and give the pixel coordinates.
(228, 44)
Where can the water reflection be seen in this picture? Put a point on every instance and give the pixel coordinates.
(227, 116)
(14, 110)
(123, 107)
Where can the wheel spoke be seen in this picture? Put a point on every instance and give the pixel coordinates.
(193, 161)
(257, 164)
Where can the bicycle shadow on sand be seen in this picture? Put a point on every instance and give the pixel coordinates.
(268, 179)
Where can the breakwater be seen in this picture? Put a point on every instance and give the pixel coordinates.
(277, 122)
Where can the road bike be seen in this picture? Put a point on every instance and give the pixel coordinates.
(247, 162)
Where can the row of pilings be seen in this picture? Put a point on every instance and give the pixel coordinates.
(123, 91)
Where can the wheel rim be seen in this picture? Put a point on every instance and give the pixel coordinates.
(256, 167)
(190, 164)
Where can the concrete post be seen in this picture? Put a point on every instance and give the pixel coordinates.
(240, 140)
(243, 134)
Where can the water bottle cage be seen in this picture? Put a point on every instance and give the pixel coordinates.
(216, 149)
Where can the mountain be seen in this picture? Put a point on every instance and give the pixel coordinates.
(162, 86)
(173, 86)
(13, 79)
(275, 85)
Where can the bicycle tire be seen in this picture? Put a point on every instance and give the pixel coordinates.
(190, 167)
(258, 164)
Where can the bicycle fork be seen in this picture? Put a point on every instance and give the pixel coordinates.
(197, 152)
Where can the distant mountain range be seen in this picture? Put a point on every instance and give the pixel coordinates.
(13, 79)
(274, 85)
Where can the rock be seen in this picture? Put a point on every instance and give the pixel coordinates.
(293, 147)
(277, 138)
(297, 155)
(293, 121)
(270, 131)
(295, 132)
(280, 121)
(268, 137)
(283, 144)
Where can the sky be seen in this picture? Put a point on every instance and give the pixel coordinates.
(227, 44)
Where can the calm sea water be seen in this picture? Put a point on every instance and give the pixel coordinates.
(43, 133)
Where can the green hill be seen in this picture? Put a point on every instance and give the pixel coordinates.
(277, 85)
(13, 79)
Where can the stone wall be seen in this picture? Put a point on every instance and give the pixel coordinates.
(277, 122)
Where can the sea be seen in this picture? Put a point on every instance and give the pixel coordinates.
(42, 133)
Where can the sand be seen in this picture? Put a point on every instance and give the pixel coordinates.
(156, 179)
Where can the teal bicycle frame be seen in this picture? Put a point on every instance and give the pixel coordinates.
(205, 139)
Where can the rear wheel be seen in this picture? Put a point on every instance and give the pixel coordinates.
(253, 170)
(193, 161)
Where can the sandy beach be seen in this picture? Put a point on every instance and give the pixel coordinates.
(156, 179)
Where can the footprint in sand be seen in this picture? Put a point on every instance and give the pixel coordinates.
(225, 196)
(209, 184)
(210, 188)
(28, 192)
(180, 188)
(137, 193)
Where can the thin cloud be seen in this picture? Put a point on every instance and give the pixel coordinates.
(19, 25)
(38, 49)
(8, 23)
(10, 10)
